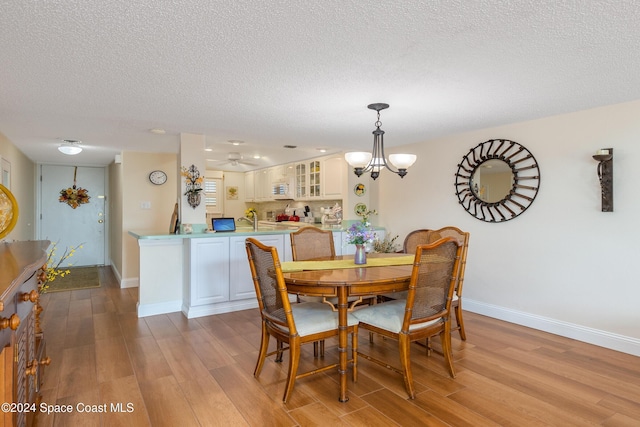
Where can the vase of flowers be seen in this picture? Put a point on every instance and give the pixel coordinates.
(359, 234)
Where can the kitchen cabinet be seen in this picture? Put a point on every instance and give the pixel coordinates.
(208, 271)
(241, 283)
(262, 185)
(334, 178)
(249, 186)
(301, 179)
(315, 174)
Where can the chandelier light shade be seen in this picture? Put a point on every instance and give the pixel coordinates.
(70, 147)
(375, 161)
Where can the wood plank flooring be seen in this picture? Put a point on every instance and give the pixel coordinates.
(171, 371)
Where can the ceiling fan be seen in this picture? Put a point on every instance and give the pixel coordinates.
(235, 159)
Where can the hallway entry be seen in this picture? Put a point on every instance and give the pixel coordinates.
(85, 224)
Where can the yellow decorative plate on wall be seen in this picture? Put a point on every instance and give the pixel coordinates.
(8, 211)
(360, 209)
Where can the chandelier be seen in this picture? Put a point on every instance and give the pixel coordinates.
(374, 162)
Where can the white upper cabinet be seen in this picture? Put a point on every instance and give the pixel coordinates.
(322, 178)
(249, 186)
(334, 179)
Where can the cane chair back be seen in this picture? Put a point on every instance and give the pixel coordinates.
(463, 239)
(293, 324)
(425, 312)
(312, 243)
(415, 238)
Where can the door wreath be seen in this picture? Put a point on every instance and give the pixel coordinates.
(73, 196)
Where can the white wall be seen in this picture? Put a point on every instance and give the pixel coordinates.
(563, 265)
(23, 184)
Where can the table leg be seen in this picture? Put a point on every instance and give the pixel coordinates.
(343, 341)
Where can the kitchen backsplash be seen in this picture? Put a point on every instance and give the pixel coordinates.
(275, 208)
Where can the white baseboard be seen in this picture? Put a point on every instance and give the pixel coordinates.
(224, 307)
(145, 310)
(126, 283)
(570, 330)
(133, 282)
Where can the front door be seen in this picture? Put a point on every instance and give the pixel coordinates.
(68, 227)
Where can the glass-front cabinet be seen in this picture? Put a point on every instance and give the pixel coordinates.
(314, 179)
(301, 181)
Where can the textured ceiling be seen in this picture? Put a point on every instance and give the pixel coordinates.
(272, 72)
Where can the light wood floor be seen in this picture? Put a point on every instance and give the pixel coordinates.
(179, 372)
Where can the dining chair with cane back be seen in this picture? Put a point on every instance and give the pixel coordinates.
(425, 312)
(415, 238)
(309, 243)
(463, 239)
(411, 242)
(294, 324)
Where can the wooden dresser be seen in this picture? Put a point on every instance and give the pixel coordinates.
(23, 356)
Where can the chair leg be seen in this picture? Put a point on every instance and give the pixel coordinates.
(405, 361)
(459, 321)
(279, 346)
(354, 353)
(445, 338)
(264, 346)
(294, 358)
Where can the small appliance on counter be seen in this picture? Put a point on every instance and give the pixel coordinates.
(332, 216)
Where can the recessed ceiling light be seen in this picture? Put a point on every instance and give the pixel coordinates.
(208, 149)
(158, 131)
(235, 142)
(322, 150)
(256, 156)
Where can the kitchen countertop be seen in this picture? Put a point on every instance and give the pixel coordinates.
(264, 227)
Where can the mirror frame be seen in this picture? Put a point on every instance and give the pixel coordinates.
(524, 167)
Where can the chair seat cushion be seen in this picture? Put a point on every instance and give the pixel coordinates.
(388, 316)
(315, 317)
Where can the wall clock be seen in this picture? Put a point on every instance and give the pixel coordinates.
(158, 177)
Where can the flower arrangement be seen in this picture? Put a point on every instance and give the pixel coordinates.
(359, 233)
(52, 267)
(385, 245)
(365, 215)
(251, 213)
(194, 181)
(74, 197)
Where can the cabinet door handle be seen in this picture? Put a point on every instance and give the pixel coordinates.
(46, 361)
(12, 322)
(31, 296)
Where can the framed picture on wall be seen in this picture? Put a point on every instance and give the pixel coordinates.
(232, 192)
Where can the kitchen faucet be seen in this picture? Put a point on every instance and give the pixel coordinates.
(253, 222)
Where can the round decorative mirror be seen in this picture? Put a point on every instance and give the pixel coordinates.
(497, 180)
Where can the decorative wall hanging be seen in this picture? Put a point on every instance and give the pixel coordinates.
(605, 176)
(73, 196)
(194, 181)
(497, 180)
(8, 211)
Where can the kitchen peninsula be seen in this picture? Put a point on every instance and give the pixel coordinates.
(208, 273)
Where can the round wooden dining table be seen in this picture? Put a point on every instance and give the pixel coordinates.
(346, 282)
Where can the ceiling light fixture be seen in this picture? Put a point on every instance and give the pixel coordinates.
(158, 131)
(70, 147)
(375, 161)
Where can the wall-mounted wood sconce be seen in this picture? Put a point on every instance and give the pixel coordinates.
(605, 174)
